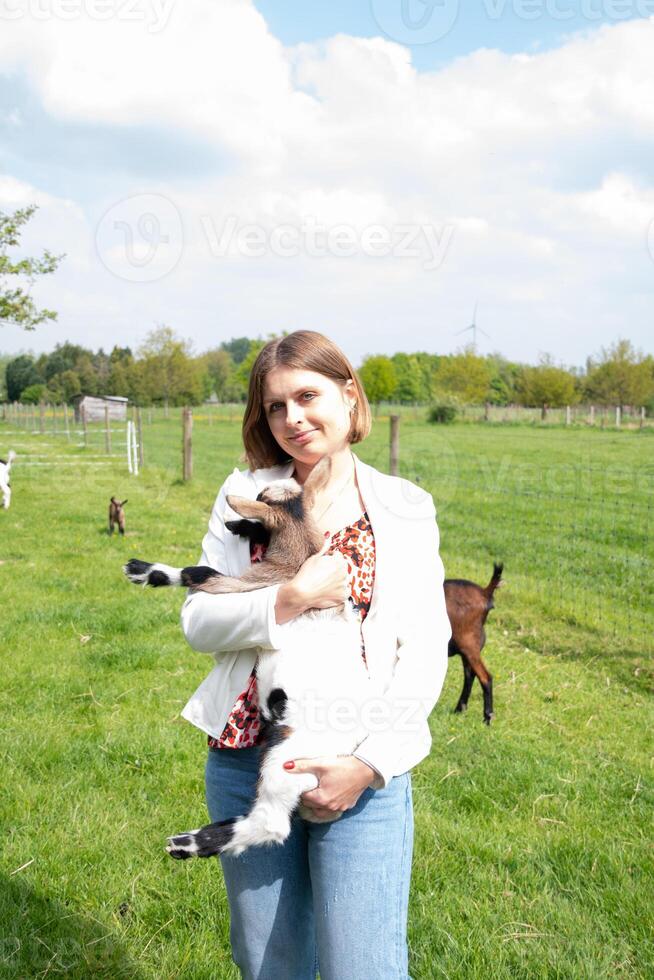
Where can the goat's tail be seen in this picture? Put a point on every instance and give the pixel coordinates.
(10, 458)
(496, 578)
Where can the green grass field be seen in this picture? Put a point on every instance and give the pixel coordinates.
(533, 837)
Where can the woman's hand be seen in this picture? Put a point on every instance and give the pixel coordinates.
(342, 781)
(320, 583)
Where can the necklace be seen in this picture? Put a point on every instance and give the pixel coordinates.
(335, 498)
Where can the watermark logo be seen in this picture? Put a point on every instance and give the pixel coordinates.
(140, 239)
(415, 21)
(422, 241)
(153, 13)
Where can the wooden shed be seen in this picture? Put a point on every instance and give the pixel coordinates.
(94, 407)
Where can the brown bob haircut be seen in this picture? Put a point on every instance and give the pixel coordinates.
(304, 350)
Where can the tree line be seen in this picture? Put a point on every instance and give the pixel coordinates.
(164, 370)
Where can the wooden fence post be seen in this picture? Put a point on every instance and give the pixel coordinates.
(42, 418)
(568, 418)
(642, 416)
(84, 426)
(395, 445)
(187, 445)
(618, 413)
(66, 425)
(592, 415)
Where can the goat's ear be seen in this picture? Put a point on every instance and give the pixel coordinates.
(316, 480)
(123, 502)
(254, 510)
(113, 500)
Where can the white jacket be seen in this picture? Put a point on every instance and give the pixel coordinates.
(406, 631)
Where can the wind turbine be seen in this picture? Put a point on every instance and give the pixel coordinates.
(473, 326)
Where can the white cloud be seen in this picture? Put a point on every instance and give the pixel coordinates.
(519, 159)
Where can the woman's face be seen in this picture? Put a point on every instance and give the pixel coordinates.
(308, 413)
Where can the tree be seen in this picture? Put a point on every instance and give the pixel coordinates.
(465, 375)
(547, 384)
(238, 348)
(621, 375)
(20, 374)
(410, 386)
(64, 386)
(504, 377)
(220, 370)
(33, 394)
(4, 361)
(166, 370)
(16, 305)
(377, 375)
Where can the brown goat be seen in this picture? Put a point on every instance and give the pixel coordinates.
(468, 605)
(116, 515)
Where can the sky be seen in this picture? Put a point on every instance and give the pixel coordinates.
(376, 170)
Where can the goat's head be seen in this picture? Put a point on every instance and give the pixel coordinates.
(118, 504)
(284, 498)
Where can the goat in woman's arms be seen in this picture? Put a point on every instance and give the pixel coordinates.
(318, 663)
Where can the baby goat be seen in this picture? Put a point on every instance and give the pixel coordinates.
(320, 657)
(5, 467)
(468, 605)
(116, 515)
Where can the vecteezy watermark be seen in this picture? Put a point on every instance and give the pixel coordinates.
(140, 238)
(563, 10)
(426, 21)
(418, 241)
(153, 13)
(342, 714)
(415, 21)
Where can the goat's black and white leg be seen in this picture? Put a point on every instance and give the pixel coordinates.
(278, 796)
(158, 574)
(269, 820)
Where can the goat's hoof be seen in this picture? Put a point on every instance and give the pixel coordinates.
(461, 707)
(182, 846)
(137, 571)
(489, 718)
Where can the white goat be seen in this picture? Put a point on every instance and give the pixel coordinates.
(5, 467)
(305, 687)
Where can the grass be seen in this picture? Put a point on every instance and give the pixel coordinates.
(533, 837)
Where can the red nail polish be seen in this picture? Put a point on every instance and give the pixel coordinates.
(289, 765)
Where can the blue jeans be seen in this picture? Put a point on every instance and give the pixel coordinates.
(334, 897)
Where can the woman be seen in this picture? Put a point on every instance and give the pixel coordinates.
(334, 897)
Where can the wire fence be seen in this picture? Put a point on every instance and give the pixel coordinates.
(569, 510)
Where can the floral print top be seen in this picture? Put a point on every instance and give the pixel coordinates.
(357, 543)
